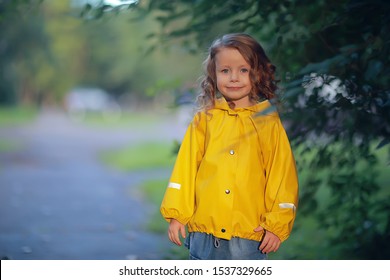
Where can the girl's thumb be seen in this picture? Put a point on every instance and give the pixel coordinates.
(183, 232)
(259, 228)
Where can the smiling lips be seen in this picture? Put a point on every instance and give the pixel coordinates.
(234, 88)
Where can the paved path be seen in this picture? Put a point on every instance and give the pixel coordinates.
(57, 201)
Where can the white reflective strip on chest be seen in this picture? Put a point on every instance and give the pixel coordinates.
(174, 185)
(287, 205)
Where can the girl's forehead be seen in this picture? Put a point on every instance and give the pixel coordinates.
(229, 56)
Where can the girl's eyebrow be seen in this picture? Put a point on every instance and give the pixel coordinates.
(228, 66)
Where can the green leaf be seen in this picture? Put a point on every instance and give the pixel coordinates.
(383, 143)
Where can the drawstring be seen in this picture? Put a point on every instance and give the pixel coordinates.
(216, 242)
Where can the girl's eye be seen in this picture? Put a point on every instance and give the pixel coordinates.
(225, 71)
(244, 70)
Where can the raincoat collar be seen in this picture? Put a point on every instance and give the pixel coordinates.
(222, 104)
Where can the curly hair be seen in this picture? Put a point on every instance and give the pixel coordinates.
(262, 72)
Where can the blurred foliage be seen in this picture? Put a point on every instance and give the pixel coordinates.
(49, 47)
(310, 42)
(14, 20)
(333, 65)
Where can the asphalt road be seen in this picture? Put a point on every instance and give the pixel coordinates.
(58, 201)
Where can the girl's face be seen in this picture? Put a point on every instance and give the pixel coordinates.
(233, 80)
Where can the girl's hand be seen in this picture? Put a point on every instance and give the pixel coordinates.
(270, 243)
(173, 231)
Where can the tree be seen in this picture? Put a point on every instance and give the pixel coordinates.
(97, 49)
(17, 17)
(333, 59)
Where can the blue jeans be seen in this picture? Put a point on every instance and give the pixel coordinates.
(204, 246)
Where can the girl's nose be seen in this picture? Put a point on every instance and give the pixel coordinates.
(234, 76)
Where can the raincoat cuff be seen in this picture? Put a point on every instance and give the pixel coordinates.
(280, 235)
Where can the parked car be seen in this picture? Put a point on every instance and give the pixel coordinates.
(81, 101)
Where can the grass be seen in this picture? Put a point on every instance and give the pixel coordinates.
(9, 146)
(142, 156)
(154, 190)
(16, 115)
(10, 116)
(123, 119)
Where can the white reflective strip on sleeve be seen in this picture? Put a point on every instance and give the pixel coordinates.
(174, 185)
(287, 205)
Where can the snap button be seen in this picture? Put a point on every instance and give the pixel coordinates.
(231, 152)
(227, 191)
(223, 230)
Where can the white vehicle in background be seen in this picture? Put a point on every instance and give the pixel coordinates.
(81, 101)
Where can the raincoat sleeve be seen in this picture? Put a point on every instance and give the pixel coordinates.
(179, 199)
(281, 193)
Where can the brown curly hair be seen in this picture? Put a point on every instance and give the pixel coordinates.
(262, 72)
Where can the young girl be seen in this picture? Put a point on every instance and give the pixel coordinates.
(234, 183)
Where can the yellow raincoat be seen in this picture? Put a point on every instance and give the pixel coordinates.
(234, 171)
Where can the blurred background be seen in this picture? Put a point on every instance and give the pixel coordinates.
(95, 97)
